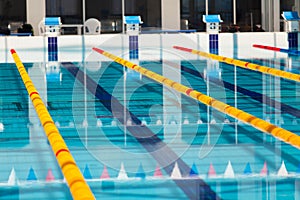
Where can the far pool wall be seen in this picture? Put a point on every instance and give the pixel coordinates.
(152, 46)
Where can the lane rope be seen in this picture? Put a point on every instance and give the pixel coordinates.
(77, 185)
(288, 51)
(243, 64)
(260, 124)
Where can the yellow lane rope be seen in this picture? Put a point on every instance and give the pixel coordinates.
(243, 64)
(262, 125)
(77, 185)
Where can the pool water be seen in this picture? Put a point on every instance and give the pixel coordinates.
(148, 137)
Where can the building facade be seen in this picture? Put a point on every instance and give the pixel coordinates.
(156, 14)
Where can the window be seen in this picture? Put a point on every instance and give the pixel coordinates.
(12, 11)
(222, 7)
(110, 12)
(149, 10)
(70, 11)
(192, 11)
(248, 14)
(287, 5)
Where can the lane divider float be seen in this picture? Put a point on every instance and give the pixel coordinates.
(76, 182)
(288, 51)
(262, 125)
(243, 64)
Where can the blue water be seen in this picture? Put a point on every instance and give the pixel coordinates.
(97, 137)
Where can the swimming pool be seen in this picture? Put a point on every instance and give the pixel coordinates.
(232, 160)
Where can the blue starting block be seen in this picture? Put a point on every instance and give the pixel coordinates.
(291, 21)
(133, 24)
(133, 20)
(290, 15)
(52, 25)
(212, 23)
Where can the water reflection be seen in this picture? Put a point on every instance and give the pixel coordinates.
(221, 138)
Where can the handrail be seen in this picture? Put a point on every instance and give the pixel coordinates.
(243, 64)
(262, 125)
(77, 185)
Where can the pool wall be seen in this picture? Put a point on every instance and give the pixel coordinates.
(70, 47)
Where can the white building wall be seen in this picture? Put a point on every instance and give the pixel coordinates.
(276, 18)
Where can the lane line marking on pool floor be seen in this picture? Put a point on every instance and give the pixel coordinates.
(193, 188)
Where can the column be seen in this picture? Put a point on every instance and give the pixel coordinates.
(234, 11)
(36, 11)
(297, 6)
(276, 17)
(270, 10)
(263, 15)
(170, 14)
(270, 15)
(266, 12)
